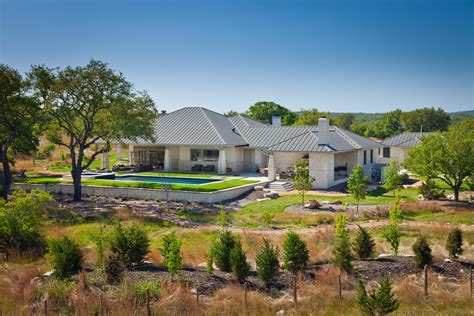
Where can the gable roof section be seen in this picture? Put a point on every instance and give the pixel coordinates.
(408, 139)
(195, 126)
(339, 140)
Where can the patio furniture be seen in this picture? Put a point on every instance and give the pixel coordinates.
(228, 170)
(143, 168)
(122, 168)
(209, 168)
(197, 168)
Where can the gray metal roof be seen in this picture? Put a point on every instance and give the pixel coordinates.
(408, 139)
(196, 126)
(339, 140)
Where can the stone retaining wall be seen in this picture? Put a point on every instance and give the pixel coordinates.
(142, 193)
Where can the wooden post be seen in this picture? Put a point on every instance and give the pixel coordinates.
(340, 285)
(295, 290)
(245, 295)
(101, 305)
(470, 280)
(45, 307)
(148, 309)
(426, 279)
(197, 296)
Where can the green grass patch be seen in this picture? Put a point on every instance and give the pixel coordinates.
(453, 217)
(176, 174)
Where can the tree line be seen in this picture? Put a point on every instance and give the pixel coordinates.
(369, 125)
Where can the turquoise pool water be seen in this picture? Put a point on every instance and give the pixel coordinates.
(170, 180)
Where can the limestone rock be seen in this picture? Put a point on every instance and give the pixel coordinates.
(312, 205)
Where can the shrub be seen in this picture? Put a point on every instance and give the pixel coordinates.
(295, 253)
(392, 232)
(422, 251)
(221, 251)
(209, 263)
(139, 290)
(130, 244)
(45, 152)
(224, 219)
(364, 244)
(57, 292)
(65, 257)
(267, 217)
(267, 262)
(392, 178)
(454, 243)
(340, 225)
(379, 302)
(238, 261)
(430, 191)
(171, 253)
(342, 255)
(20, 219)
(113, 268)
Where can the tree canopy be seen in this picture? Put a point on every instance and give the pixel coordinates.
(19, 118)
(430, 119)
(89, 104)
(447, 156)
(310, 117)
(264, 110)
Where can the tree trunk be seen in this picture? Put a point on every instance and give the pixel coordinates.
(7, 176)
(76, 178)
(302, 199)
(456, 192)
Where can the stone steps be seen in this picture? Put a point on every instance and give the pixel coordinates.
(280, 186)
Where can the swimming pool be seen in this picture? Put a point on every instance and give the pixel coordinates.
(170, 180)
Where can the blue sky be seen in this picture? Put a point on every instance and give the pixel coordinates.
(356, 56)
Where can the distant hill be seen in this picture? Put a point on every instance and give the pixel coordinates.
(467, 113)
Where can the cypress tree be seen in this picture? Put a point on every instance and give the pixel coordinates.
(267, 262)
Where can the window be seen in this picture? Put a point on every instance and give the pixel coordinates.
(386, 152)
(379, 152)
(371, 156)
(365, 157)
(204, 155)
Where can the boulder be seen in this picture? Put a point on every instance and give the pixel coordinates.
(271, 195)
(337, 202)
(264, 199)
(259, 188)
(312, 205)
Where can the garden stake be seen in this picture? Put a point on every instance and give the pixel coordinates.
(426, 279)
(148, 309)
(45, 307)
(340, 285)
(245, 295)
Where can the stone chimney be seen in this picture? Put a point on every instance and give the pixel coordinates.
(323, 130)
(276, 120)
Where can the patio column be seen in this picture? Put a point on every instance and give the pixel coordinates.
(130, 155)
(167, 162)
(221, 163)
(105, 160)
(271, 167)
(119, 152)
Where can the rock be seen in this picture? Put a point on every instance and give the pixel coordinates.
(267, 190)
(385, 255)
(337, 202)
(448, 260)
(312, 205)
(264, 199)
(48, 274)
(325, 202)
(259, 188)
(281, 312)
(271, 195)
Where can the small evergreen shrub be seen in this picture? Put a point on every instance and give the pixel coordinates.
(267, 262)
(221, 251)
(342, 255)
(430, 191)
(224, 218)
(364, 244)
(238, 261)
(295, 253)
(171, 253)
(422, 251)
(209, 263)
(113, 268)
(130, 244)
(379, 302)
(65, 257)
(454, 243)
(392, 232)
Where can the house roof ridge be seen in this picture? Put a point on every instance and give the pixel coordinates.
(346, 137)
(203, 110)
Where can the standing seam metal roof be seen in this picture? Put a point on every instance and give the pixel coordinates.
(408, 139)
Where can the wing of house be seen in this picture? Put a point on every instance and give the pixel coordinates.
(193, 138)
(397, 147)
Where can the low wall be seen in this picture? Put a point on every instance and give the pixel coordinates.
(143, 194)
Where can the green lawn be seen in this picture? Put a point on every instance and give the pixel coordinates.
(453, 217)
(215, 186)
(177, 174)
